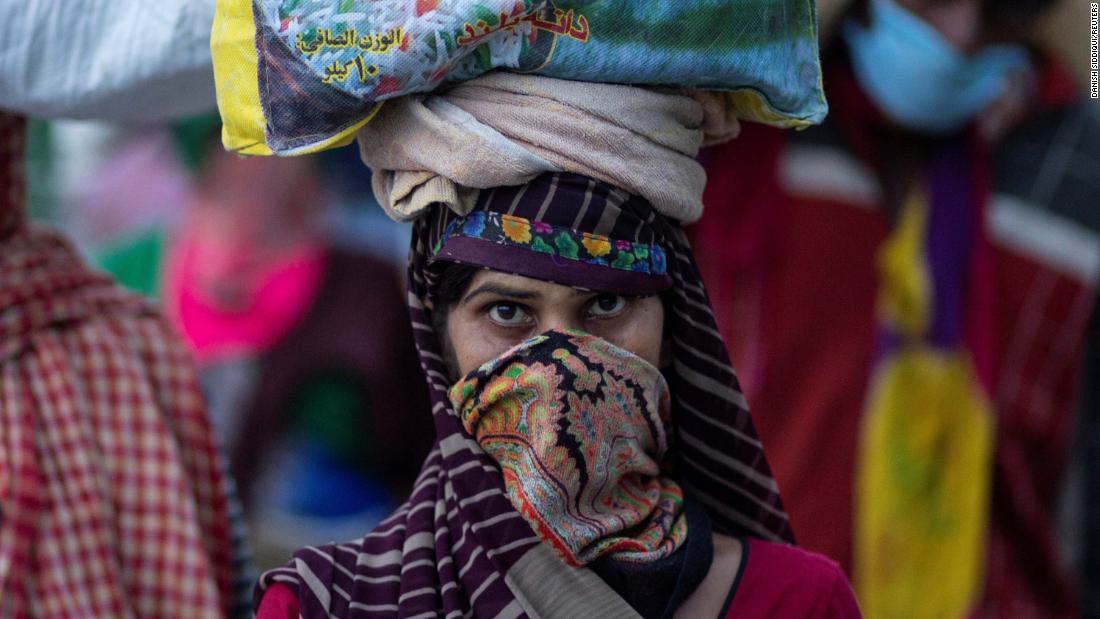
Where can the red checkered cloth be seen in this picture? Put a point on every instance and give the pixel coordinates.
(113, 502)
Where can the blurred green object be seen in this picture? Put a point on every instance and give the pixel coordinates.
(332, 409)
(39, 161)
(193, 136)
(135, 262)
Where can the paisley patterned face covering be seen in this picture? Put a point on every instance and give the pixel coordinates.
(580, 429)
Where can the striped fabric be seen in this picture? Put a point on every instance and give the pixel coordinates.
(458, 546)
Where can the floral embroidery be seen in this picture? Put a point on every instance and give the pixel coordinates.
(474, 224)
(596, 245)
(516, 228)
(542, 227)
(540, 245)
(567, 247)
(625, 261)
(594, 249)
(658, 259)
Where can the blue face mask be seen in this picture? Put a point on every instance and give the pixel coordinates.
(918, 78)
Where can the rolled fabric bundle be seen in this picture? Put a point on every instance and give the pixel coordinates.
(298, 76)
(504, 129)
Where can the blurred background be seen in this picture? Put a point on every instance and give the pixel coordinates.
(286, 280)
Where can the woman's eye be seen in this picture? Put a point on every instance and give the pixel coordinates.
(607, 305)
(508, 315)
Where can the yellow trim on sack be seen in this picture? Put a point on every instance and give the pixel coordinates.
(236, 78)
(751, 105)
(343, 138)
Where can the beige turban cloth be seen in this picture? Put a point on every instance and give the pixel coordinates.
(505, 129)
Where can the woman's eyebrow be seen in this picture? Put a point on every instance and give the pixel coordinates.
(502, 290)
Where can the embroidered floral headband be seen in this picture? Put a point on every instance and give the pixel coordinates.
(514, 229)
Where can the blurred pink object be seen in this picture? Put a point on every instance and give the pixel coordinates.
(248, 261)
(139, 186)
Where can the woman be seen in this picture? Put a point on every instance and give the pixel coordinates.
(548, 319)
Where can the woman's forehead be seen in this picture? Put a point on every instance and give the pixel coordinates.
(519, 286)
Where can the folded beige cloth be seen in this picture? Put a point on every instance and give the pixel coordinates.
(505, 129)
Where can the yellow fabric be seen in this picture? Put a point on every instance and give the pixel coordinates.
(236, 77)
(751, 105)
(342, 138)
(923, 474)
(905, 299)
(924, 486)
(233, 48)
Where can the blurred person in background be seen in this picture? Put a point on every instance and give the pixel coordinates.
(303, 345)
(906, 291)
(120, 192)
(114, 501)
(264, 266)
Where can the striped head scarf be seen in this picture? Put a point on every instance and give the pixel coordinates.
(458, 547)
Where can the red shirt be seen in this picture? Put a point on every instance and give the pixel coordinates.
(787, 248)
(774, 580)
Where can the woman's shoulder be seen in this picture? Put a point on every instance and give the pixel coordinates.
(768, 580)
(278, 602)
(782, 562)
(777, 580)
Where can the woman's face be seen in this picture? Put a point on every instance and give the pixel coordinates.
(498, 311)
